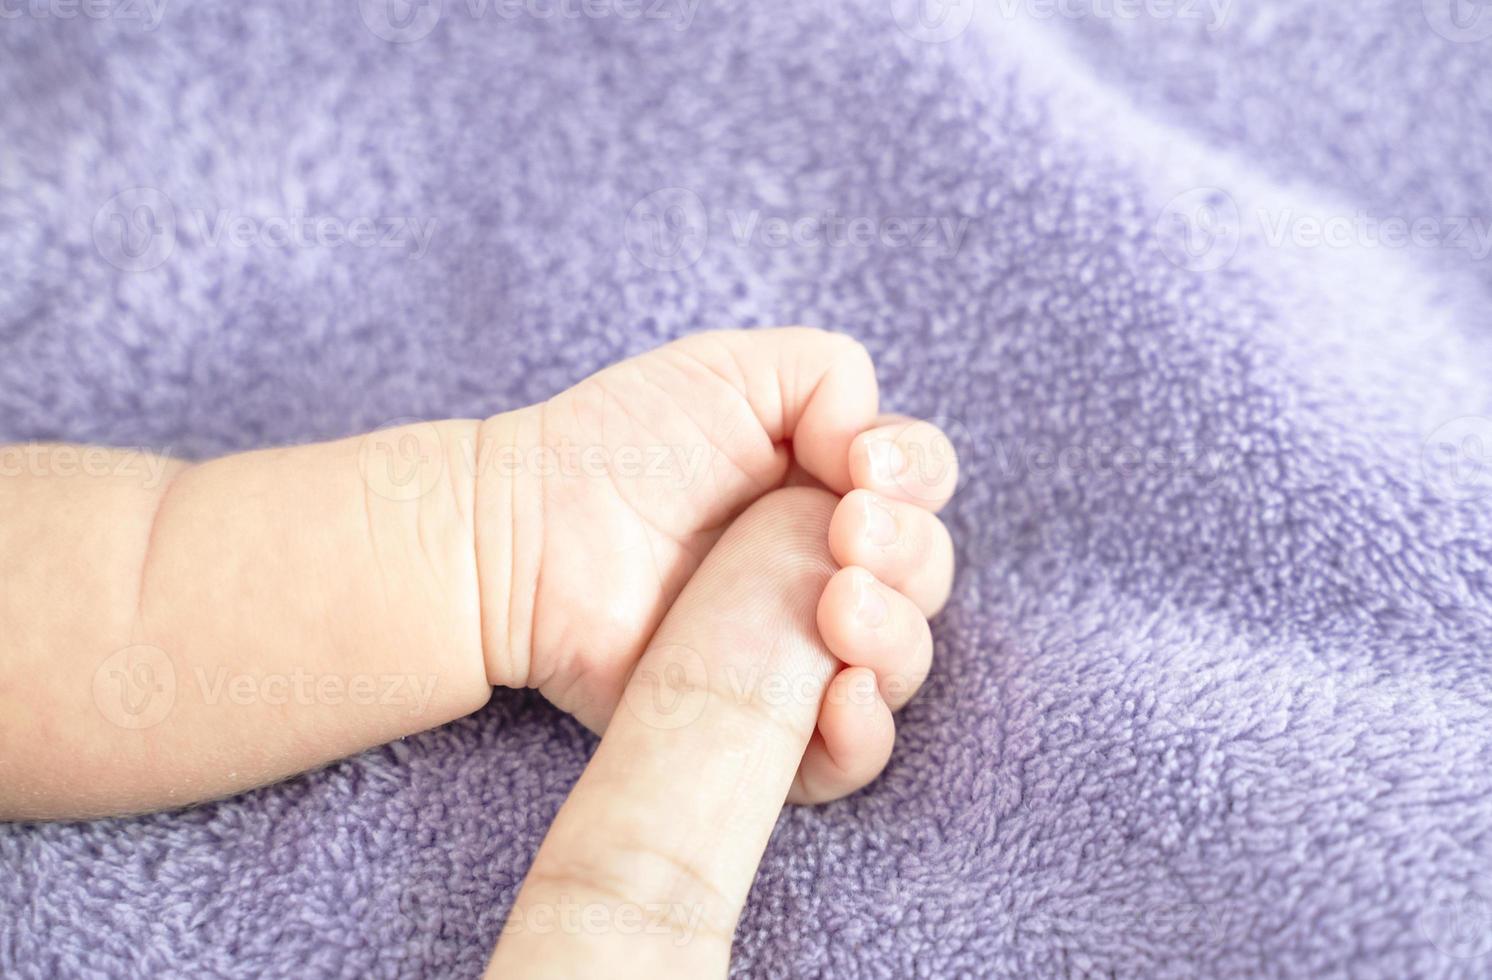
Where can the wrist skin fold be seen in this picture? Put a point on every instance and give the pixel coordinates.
(509, 533)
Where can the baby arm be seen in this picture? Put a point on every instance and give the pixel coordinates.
(218, 626)
(164, 641)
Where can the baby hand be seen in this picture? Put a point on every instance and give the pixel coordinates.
(896, 567)
(579, 563)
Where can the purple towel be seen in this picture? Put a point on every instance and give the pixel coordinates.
(1201, 293)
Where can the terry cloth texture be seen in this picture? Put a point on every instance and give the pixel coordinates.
(1200, 289)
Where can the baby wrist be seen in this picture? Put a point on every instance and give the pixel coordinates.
(508, 521)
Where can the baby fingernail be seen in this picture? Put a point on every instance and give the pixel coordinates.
(880, 526)
(886, 459)
(870, 606)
